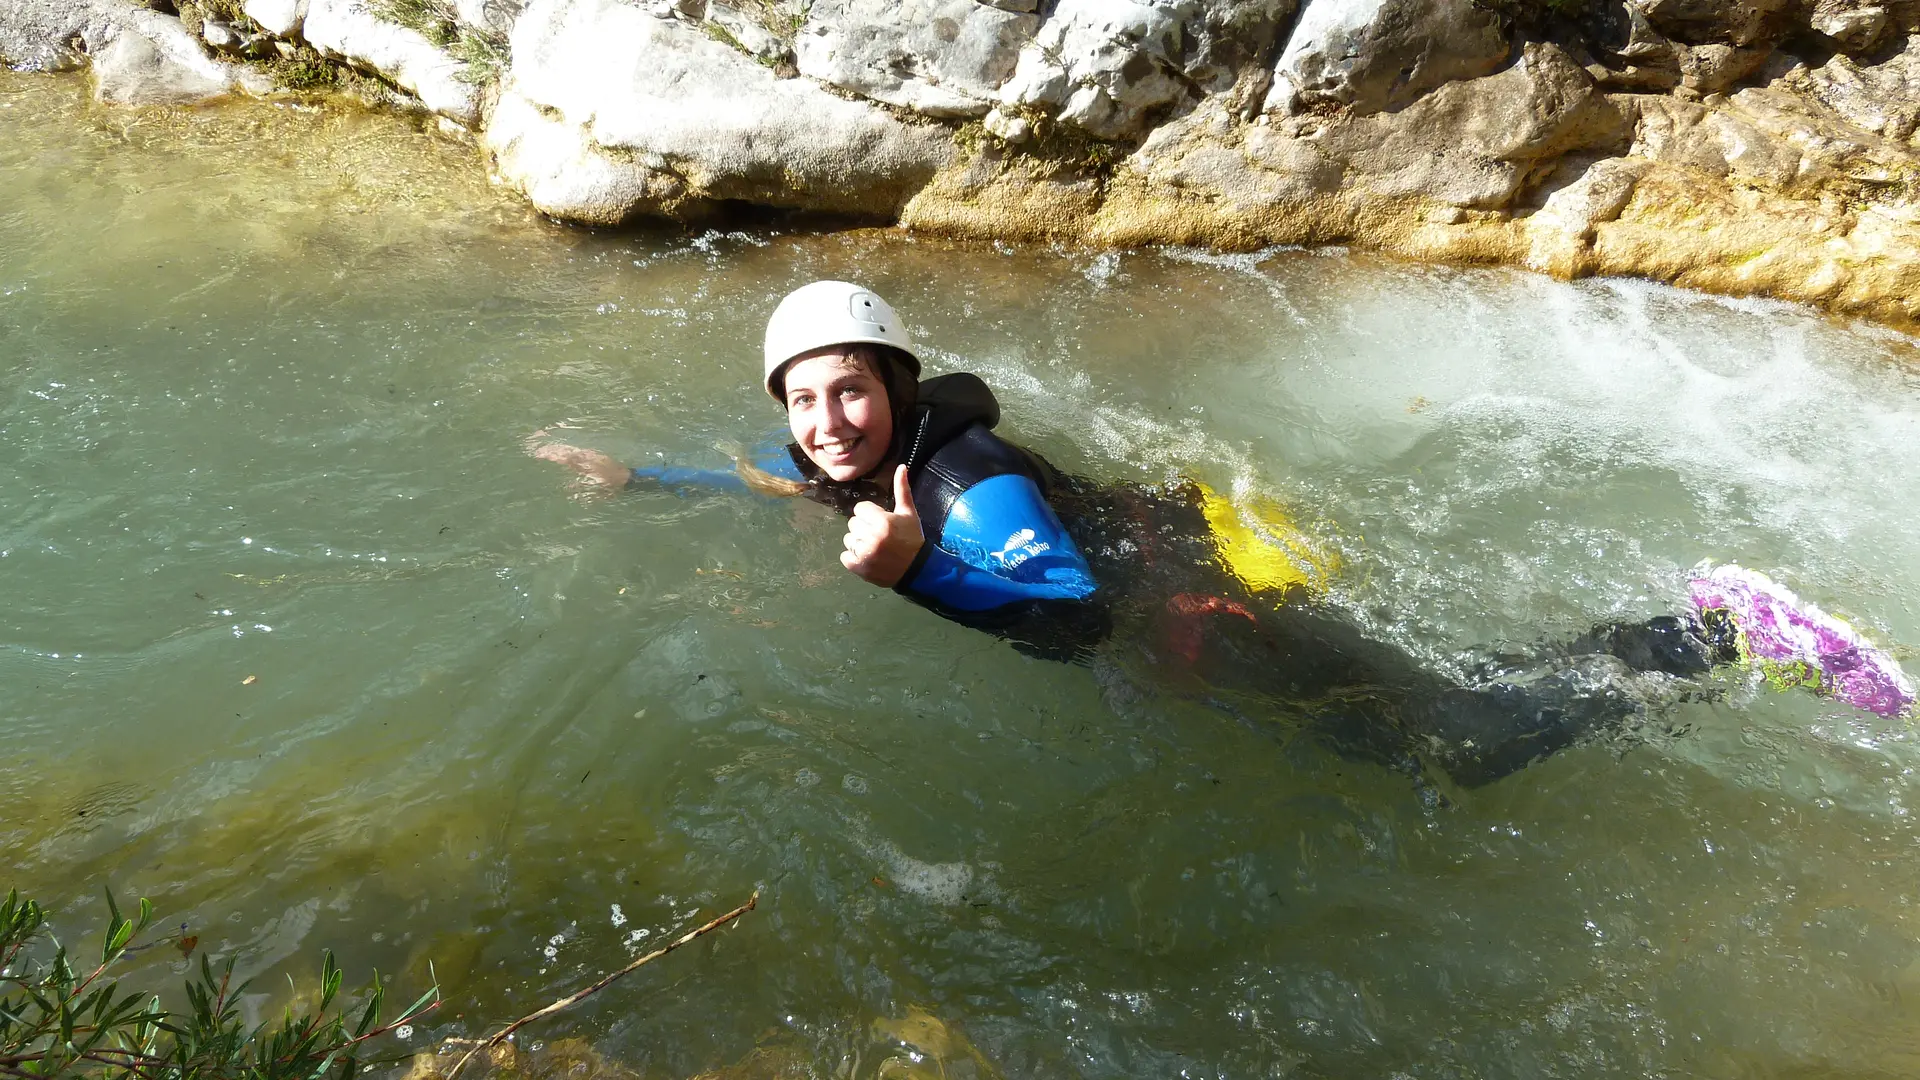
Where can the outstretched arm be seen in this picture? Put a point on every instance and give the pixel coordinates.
(601, 470)
(593, 466)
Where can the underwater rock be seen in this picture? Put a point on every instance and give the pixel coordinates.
(134, 69)
(609, 113)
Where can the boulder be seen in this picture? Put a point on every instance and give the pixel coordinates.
(281, 18)
(156, 65)
(1785, 142)
(1883, 98)
(1632, 54)
(46, 35)
(1560, 234)
(944, 58)
(1478, 144)
(1377, 55)
(348, 30)
(608, 113)
(1115, 67)
(229, 40)
(1712, 69)
(1724, 22)
(139, 56)
(1854, 26)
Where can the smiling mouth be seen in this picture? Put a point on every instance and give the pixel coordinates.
(838, 449)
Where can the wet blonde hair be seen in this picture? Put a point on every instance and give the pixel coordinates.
(877, 361)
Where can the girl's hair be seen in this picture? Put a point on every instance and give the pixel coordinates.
(903, 392)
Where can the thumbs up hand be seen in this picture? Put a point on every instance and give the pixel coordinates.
(881, 544)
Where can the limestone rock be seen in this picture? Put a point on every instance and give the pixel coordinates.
(1708, 22)
(748, 33)
(229, 40)
(348, 30)
(608, 113)
(1630, 54)
(1473, 147)
(1100, 66)
(139, 56)
(1560, 234)
(132, 68)
(281, 18)
(46, 35)
(1479, 144)
(1883, 98)
(220, 36)
(1775, 139)
(1856, 27)
(1712, 69)
(1690, 230)
(1112, 67)
(944, 58)
(1374, 55)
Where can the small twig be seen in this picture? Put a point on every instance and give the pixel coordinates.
(576, 998)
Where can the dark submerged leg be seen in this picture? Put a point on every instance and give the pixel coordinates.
(1372, 701)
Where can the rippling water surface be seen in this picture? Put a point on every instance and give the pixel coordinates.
(300, 642)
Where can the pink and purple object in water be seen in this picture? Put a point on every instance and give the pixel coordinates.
(1794, 643)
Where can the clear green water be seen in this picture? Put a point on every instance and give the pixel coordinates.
(265, 377)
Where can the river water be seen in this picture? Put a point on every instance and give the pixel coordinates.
(301, 643)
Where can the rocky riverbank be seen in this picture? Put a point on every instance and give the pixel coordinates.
(1761, 147)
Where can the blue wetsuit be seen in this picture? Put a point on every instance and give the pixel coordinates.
(996, 551)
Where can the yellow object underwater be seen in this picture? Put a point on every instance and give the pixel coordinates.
(1261, 545)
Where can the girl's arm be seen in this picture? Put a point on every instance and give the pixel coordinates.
(599, 468)
(1002, 544)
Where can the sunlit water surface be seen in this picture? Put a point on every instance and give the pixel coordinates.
(300, 642)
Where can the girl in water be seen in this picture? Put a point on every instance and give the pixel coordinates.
(986, 533)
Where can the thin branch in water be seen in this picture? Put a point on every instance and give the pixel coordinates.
(576, 998)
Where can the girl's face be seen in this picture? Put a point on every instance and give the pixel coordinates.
(839, 415)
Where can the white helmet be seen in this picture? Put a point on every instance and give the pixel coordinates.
(832, 313)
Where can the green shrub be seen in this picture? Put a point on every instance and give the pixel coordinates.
(56, 1023)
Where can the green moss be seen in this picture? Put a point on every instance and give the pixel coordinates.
(434, 20)
(1051, 141)
(724, 36)
(782, 20)
(306, 71)
(483, 53)
(485, 56)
